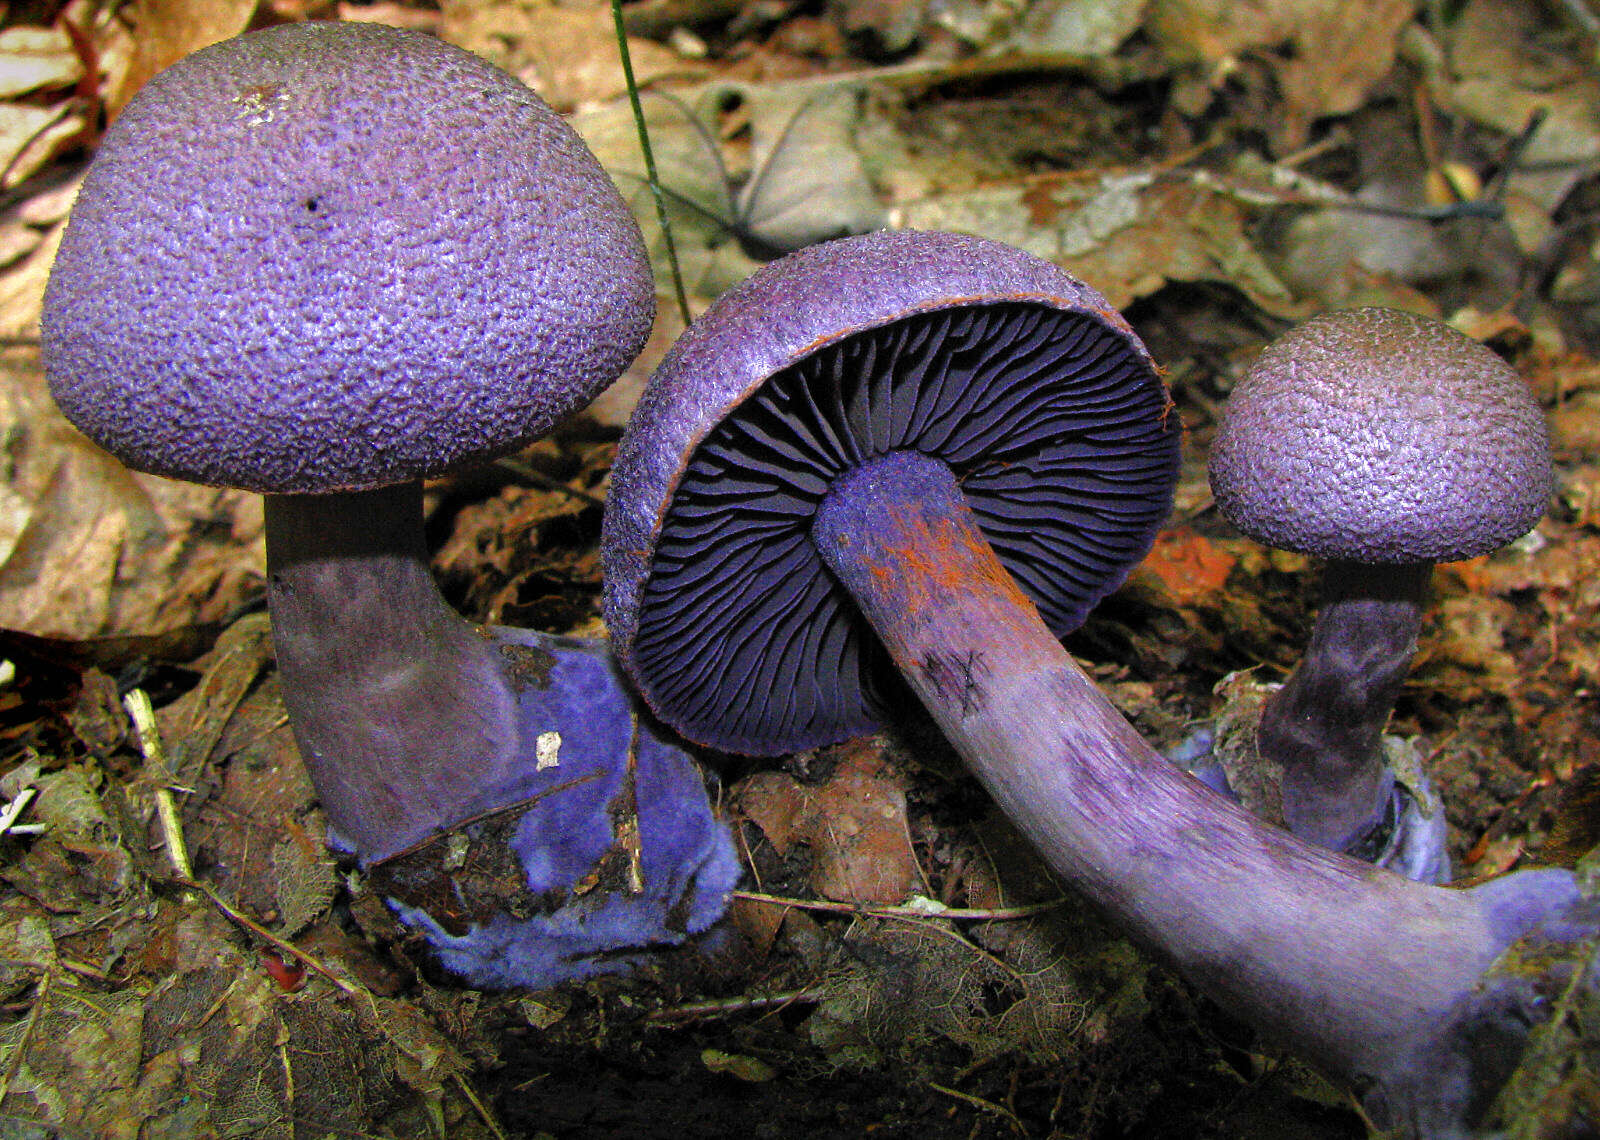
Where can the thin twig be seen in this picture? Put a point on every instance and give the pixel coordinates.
(955, 913)
(137, 702)
(727, 1007)
(548, 482)
(71, 965)
(999, 1110)
(34, 1014)
(324, 1128)
(148, 733)
(239, 918)
(172, 833)
(749, 857)
(13, 810)
(926, 918)
(479, 1107)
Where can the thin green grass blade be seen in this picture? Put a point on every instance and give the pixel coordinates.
(656, 190)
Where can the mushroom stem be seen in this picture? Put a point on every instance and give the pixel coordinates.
(393, 696)
(1323, 727)
(1354, 966)
(498, 784)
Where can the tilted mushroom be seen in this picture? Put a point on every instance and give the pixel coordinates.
(1381, 442)
(324, 262)
(924, 453)
(1021, 381)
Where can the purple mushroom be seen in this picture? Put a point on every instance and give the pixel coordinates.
(721, 601)
(324, 262)
(923, 454)
(1383, 443)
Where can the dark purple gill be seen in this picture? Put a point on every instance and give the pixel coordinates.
(1054, 422)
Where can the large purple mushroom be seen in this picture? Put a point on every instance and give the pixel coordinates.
(887, 353)
(927, 453)
(325, 262)
(1381, 442)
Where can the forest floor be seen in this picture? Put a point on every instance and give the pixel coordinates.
(1219, 170)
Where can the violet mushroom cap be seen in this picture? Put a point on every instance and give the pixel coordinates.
(325, 261)
(326, 258)
(1384, 982)
(1382, 442)
(1019, 377)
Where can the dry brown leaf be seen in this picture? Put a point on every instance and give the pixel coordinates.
(264, 793)
(758, 922)
(423, 1057)
(1575, 425)
(79, 864)
(164, 31)
(32, 58)
(17, 241)
(854, 824)
(230, 733)
(32, 136)
(194, 723)
(858, 837)
(1129, 233)
(80, 1062)
(58, 576)
(88, 548)
(1470, 633)
(1189, 566)
(568, 55)
(1500, 76)
(1341, 51)
(1212, 32)
(1338, 50)
(775, 803)
(615, 405)
(22, 289)
(1182, 233)
(387, 12)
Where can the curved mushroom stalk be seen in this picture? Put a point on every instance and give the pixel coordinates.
(1371, 976)
(933, 454)
(1323, 726)
(498, 784)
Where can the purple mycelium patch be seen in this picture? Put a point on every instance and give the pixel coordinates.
(605, 846)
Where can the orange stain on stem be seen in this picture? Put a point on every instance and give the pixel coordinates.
(926, 562)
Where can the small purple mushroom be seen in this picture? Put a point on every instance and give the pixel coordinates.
(927, 453)
(324, 262)
(1383, 443)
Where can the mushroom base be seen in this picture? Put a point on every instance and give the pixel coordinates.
(1322, 729)
(498, 784)
(1356, 968)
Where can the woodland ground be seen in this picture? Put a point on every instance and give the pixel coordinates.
(1218, 169)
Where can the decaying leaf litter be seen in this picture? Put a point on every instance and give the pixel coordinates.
(183, 958)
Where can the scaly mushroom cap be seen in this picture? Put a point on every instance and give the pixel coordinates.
(1376, 436)
(333, 256)
(1021, 378)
